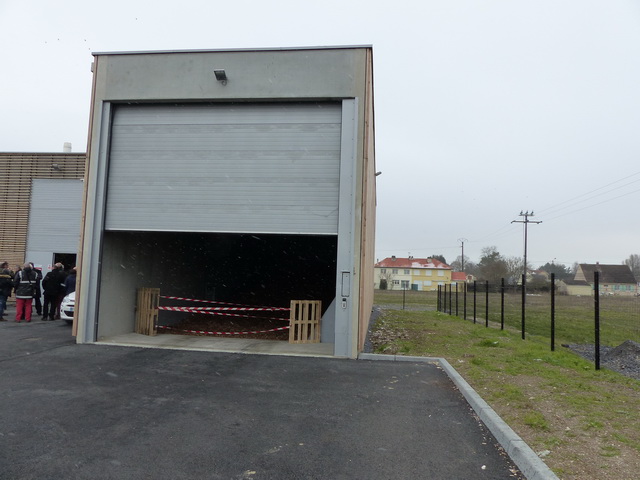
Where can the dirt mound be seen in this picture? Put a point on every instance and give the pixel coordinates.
(624, 359)
(626, 352)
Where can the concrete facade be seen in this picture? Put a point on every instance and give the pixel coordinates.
(115, 263)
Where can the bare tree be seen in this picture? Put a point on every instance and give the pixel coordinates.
(514, 269)
(633, 262)
(470, 268)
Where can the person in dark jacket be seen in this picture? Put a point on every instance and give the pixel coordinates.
(37, 296)
(63, 274)
(53, 286)
(70, 282)
(6, 285)
(25, 287)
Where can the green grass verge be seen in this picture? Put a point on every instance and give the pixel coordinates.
(574, 316)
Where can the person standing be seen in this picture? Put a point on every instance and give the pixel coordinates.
(25, 288)
(63, 277)
(70, 282)
(53, 286)
(6, 285)
(37, 296)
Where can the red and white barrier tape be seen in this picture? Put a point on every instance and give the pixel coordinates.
(224, 333)
(220, 303)
(247, 309)
(208, 312)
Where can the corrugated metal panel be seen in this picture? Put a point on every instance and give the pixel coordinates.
(55, 214)
(259, 168)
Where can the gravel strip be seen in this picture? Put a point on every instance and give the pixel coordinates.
(624, 359)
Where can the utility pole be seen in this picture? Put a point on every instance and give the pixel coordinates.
(526, 222)
(462, 240)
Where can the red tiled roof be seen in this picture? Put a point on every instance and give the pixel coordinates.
(458, 276)
(396, 262)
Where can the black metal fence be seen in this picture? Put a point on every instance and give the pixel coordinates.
(599, 320)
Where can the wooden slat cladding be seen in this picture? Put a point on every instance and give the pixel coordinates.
(17, 170)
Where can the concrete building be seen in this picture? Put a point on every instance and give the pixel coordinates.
(241, 176)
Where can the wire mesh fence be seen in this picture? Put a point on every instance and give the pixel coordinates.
(598, 321)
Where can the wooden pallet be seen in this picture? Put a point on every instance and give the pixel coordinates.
(147, 311)
(304, 321)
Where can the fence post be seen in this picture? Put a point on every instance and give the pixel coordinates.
(596, 302)
(464, 300)
(438, 300)
(502, 303)
(404, 292)
(486, 304)
(475, 284)
(553, 312)
(457, 315)
(443, 304)
(450, 298)
(524, 298)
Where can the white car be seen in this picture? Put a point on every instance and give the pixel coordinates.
(67, 307)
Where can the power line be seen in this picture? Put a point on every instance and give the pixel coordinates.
(559, 205)
(502, 231)
(594, 205)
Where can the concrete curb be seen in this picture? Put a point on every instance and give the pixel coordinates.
(522, 455)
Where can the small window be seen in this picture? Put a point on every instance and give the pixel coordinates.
(383, 270)
(407, 271)
(441, 273)
(428, 273)
(427, 283)
(405, 284)
(396, 282)
(395, 270)
(417, 272)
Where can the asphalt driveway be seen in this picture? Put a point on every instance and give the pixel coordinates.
(72, 411)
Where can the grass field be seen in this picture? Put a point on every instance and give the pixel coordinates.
(574, 316)
(583, 422)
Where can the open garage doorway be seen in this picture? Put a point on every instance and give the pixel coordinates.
(259, 270)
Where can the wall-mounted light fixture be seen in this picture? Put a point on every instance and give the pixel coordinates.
(378, 173)
(56, 167)
(221, 76)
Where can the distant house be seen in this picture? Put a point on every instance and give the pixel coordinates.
(459, 278)
(613, 280)
(574, 287)
(421, 274)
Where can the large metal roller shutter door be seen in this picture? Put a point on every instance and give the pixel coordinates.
(247, 168)
(54, 215)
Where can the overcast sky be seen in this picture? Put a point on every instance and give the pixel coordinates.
(483, 109)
